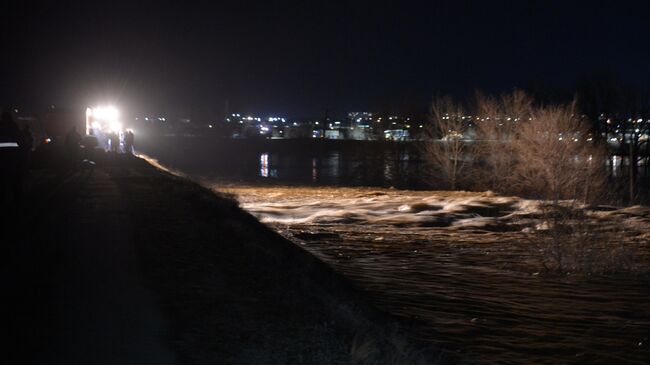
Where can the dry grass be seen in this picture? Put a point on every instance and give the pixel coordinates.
(396, 350)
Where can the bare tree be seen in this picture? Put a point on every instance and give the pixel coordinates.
(545, 152)
(495, 123)
(555, 156)
(446, 147)
(556, 159)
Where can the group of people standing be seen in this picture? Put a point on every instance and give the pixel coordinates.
(115, 141)
(16, 145)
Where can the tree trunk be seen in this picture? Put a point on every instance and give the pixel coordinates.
(453, 179)
(632, 172)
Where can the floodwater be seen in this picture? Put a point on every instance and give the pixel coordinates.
(463, 268)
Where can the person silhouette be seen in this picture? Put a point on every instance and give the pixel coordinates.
(11, 178)
(72, 141)
(128, 141)
(114, 139)
(28, 138)
(28, 144)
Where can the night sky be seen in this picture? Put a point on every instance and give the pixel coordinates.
(298, 59)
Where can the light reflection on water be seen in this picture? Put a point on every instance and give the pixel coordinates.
(337, 168)
(296, 162)
(333, 165)
(264, 165)
(383, 168)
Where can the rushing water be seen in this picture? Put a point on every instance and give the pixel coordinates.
(460, 266)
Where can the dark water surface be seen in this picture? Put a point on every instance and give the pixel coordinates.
(295, 162)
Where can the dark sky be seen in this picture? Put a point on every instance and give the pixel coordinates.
(299, 58)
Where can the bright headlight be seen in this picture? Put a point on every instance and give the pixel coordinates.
(115, 126)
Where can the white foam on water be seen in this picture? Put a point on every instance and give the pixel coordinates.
(327, 206)
(405, 211)
(379, 209)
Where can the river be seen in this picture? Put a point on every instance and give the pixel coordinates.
(460, 266)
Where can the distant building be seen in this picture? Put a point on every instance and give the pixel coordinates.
(333, 134)
(396, 134)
